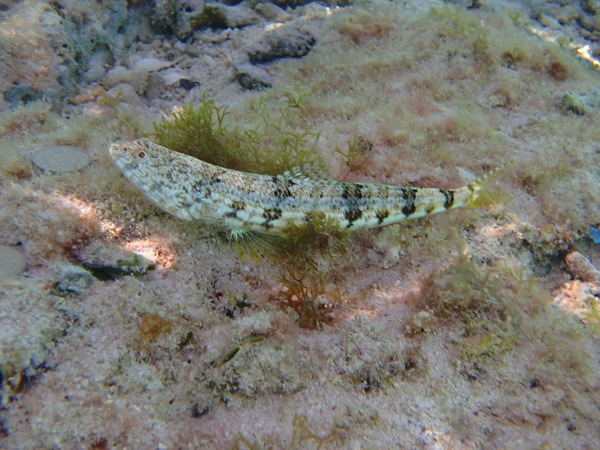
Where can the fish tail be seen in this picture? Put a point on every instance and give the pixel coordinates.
(478, 188)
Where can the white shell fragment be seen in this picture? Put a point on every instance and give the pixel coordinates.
(12, 262)
(61, 158)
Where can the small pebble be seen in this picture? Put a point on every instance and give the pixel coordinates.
(12, 262)
(582, 268)
(72, 281)
(573, 104)
(109, 261)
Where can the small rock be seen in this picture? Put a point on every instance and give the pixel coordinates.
(144, 65)
(171, 77)
(189, 14)
(12, 262)
(124, 93)
(590, 6)
(71, 280)
(549, 22)
(253, 78)
(273, 12)
(155, 86)
(108, 262)
(573, 104)
(566, 15)
(21, 95)
(61, 158)
(138, 73)
(116, 75)
(188, 85)
(582, 268)
(591, 24)
(281, 43)
(391, 258)
(97, 65)
(421, 322)
(222, 16)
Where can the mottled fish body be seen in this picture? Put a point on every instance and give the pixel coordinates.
(192, 189)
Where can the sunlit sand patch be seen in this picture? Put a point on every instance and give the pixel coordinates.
(575, 297)
(155, 250)
(89, 211)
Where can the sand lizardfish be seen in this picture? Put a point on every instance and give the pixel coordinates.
(244, 202)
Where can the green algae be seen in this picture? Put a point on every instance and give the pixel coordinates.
(271, 146)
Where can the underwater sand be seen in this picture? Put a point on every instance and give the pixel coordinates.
(474, 328)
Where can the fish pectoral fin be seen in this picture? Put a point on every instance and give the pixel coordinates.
(257, 245)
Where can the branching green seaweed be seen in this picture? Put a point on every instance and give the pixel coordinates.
(303, 287)
(272, 146)
(303, 278)
(198, 130)
(490, 305)
(303, 433)
(295, 96)
(357, 154)
(592, 316)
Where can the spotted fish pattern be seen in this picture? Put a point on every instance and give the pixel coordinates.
(241, 202)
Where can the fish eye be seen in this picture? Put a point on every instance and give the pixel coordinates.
(141, 155)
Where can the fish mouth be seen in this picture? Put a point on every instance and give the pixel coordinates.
(117, 151)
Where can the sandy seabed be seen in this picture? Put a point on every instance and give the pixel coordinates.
(465, 330)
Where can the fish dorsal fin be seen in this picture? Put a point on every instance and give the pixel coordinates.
(307, 172)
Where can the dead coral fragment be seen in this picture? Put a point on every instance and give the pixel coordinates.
(229, 354)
